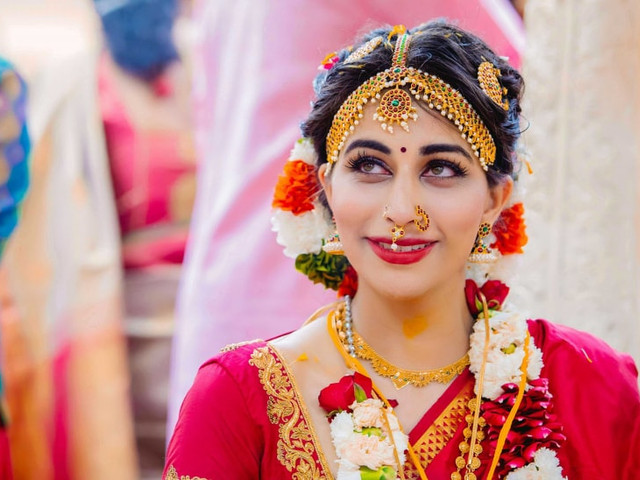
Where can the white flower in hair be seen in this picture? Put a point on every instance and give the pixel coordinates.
(301, 233)
(304, 150)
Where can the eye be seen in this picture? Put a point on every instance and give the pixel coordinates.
(368, 165)
(444, 169)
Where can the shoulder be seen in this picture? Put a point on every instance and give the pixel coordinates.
(554, 339)
(231, 365)
(222, 419)
(595, 398)
(576, 362)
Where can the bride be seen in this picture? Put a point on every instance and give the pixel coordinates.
(403, 196)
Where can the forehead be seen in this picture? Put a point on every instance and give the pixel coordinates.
(429, 128)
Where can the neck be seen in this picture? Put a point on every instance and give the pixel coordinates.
(424, 332)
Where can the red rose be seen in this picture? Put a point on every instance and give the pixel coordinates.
(494, 292)
(471, 293)
(349, 285)
(338, 396)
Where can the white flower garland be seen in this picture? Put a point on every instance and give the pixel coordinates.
(362, 439)
(504, 365)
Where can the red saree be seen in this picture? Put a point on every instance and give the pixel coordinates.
(244, 419)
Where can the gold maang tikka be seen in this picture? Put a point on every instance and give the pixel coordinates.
(393, 89)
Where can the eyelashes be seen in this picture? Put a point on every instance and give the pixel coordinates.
(366, 163)
(437, 168)
(457, 169)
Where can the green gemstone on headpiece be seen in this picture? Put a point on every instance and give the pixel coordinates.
(395, 103)
(397, 70)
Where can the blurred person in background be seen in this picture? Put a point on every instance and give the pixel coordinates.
(93, 265)
(64, 359)
(14, 179)
(144, 94)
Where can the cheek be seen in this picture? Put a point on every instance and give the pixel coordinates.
(461, 214)
(352, 203)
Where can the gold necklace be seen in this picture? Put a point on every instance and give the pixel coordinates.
(400, 377)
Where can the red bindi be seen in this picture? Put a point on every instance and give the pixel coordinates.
(403, 149)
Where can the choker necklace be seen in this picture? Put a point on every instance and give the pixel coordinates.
(357, 347)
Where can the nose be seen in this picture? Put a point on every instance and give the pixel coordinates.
(400, 206)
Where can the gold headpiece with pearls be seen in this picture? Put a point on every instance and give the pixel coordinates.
(488, 79)
(395, 106)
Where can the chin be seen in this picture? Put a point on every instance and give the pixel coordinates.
(402, 289)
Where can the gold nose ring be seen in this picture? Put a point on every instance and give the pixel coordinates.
(423, 221)
(397, 232)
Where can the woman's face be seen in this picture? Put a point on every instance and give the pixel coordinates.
(376, 184)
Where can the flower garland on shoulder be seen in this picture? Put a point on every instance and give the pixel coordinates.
(528, 444)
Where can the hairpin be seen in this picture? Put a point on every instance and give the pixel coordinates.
(488, 79)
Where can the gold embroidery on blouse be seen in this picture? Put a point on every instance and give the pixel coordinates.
(442, 430)
(296, 441)
(172, 474)
(234, 346)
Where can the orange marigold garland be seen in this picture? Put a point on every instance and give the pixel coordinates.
(510, 230)
(297, 188)
(303, 223)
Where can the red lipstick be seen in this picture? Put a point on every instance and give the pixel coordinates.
(404, 255)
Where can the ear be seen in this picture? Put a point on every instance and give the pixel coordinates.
(325, 181)
(498, 197)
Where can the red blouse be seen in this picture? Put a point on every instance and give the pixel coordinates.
(244, 419)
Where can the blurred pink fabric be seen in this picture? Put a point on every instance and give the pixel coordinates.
(253, 73)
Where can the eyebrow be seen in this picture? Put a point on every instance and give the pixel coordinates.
(426, 150)
(372, 144)
(444, 148)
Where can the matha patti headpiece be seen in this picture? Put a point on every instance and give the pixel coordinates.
(396, 106)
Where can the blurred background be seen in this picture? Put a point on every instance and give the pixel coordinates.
(140, 142)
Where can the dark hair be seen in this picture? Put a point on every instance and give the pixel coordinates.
(438, 48)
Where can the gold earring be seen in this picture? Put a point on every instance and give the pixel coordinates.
(397, 233)
(423, 221)
(333, 245)
(482, 253)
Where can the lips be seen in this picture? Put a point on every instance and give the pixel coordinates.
(410, 250)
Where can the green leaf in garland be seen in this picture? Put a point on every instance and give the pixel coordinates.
(372, 431)
(359, 392)
(323, 268)
(383, 473)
